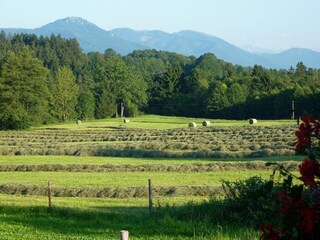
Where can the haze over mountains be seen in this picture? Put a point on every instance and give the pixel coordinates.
(125, 40)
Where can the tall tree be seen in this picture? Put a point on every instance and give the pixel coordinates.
(23, 91)
(301, 70)
(218, 98)
(64, 94)
(261, 84)
(164, 89)
(85, 105)
(123, 85)
(166, 84)
(5, 46)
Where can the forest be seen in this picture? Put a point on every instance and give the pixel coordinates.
(50, 79)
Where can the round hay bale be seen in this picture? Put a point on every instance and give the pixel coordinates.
(192, 125)
(79, 122)
(206, 123)
(126, 120)
(253, 121)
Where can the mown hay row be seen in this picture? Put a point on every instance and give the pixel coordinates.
(115, 192)
(149, 150)
(221, 153)
(194, 167)
(233, 142)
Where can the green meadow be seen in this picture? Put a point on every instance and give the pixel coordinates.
(95, 195)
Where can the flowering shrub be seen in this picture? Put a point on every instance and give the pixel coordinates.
(298, 206)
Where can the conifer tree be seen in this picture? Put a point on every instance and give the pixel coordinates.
(23, 91)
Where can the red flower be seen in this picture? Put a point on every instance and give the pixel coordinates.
(298, 211)
(307, 221)
(284, 203)
(309, 168)
(309, 128)
(304, 135)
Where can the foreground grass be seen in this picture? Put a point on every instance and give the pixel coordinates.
(95, 204)
(102, 219)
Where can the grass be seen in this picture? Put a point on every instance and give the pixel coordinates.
(27, 217)
(95, 204)
(70, 177)
(232, 141)
(127, 179)
(157, 122)
(98, 219)
(26, 159)
(62, 223)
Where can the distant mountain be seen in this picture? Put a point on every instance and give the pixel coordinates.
(124, 41)
(292, 56)
(254, 49)
(188, 43)
(90, 36)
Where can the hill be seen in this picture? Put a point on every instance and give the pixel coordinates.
(125, 40)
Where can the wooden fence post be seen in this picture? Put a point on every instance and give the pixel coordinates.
(124, 235)
(49, 194)
(150, 195)
(292, 109)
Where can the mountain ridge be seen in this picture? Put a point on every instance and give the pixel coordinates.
(186, 42)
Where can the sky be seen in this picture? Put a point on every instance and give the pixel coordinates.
(267, 24)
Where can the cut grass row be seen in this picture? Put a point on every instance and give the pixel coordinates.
(122, 184)
(26, 159)
(176, 177)
(217, 142)
(182, 168)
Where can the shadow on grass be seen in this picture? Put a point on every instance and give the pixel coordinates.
(200, 154)
(102, 222)
(107, 127)
(56, 129)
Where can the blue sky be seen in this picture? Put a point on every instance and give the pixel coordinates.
(267, 24)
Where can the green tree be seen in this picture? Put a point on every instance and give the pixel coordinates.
(105, 104)
(218, 99)
(23, 91)
(124, 85)
(64, 94)
(207, 69)
(165, 87)
(85, 105)
(236, 94)
(301, 70)
(5, 46)
(261, 84)
(167, 84)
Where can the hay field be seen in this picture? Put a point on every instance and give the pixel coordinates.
(140, 138)
(99, 171)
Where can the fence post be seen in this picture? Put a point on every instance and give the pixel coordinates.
(124, 235)
(292, 109)
(49, 194)
(150, 195)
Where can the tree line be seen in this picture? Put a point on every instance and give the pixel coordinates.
(49, 79)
